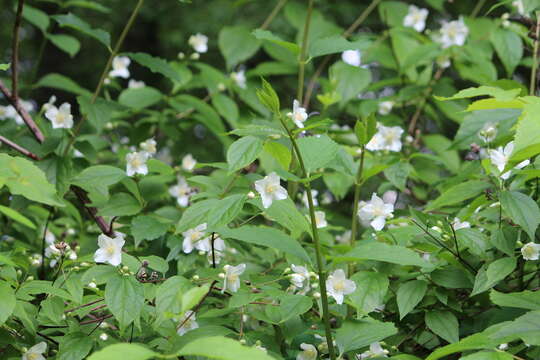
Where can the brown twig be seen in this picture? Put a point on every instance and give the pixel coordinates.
(273, 14)
(84, 305)
(92, 211)
(19, 148)
(22, 112)
(96, 320)
(15, 51)
(198, 306)
(47, 337)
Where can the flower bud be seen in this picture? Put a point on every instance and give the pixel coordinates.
(195, 56)
(251, 195)
(317, 295)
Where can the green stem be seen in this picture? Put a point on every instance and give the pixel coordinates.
(316, 242)
(273, 14)
(113, 54)
(302, 59)
(354, 220)
(534, 69)
(477, 8)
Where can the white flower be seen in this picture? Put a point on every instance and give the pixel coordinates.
(385, 107)
(503, 346)
(61, 117)
(49, 237)
(416, 18)
(500, 156)
(232, 277)
(219, 250)
(103, 336)
(386, 138)
(52, 251)
(149, 146)
(188, 162)
(110, 249)
(199, 42)
(188, 323)
(488, 133)
(298, 115)
(376, 211)
(352, 57)
(239, 78)
(344, 238)
(181, 192)
(337, 286)
(375, 350)
(134, 84)
(194, 238)
(320, 219)
(7, 112)
(453, 33)
(531, 251)
(270, 189)
(458, 224)
(300, 278)
(518, 4)
(390, 197)
(309, 352)
(36, 352)
(92, 285)
(120, 66)
(314, 194)
(136, 163)
(48, 104)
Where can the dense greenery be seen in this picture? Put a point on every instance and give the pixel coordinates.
(279, 179)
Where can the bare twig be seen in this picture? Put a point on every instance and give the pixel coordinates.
(22, 112)
(83, 305)
(198, 306)
(273, 14)
(15, 51)
(19, 148)
(92, 211)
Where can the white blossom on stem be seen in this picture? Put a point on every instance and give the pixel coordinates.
(189, 322)
(416, 18)
(36, 352)
(199, 42)
(120, 67)
(61, 117)
(194, 239)
(188, 162)
(270, 189)
(309, 352)
(376, 211)
(110, 249)
(136, 163)
(337, 286)
(352, 57)
(232, 277)
(531, 251)
(299, 114)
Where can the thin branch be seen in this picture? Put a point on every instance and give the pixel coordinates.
(272, 14)
(92, 211)
(198, 306)
(101, 319)
(47, 337)
(19, 148)
(83, 305)
(15, 51)
(303, 51)
(105, 72)
(22, 112)
(42, 270)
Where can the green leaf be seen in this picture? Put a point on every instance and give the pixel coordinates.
(279, 152)
(286, 214)
(398, 173)
(146, 227)
(509, 48)
(75, 346)
(98, 113)
(351, 80)
(97, 179)
(289, 306)
(317, 151)
(237, 44)
(156, 65)
(495, 272)
(269, 36)
(169, 296)
(488, 355)
(522, 210)
(219, 347)
(140, 98)
(458, 193)
(409, 295)
(525, 145)
(36, 17)
(7, 301)
(266, 236)
(129, 351)
(525, 327)
(4, 67)
(523, 300)
(17, 216)
(497, 93)
(243, 152)
(196, 214)
(227, 108)
(444, 324)
(387, 253)
(41, 287)
(87, 5)
(120, 204)
(358, 334)
(334, 44)
(71, 21)
(226, 210)
(23, 178)
(66, 43)
(268, 97)
(124, 297)
(473, 342)
(371, 287)
(60, 82)
(193, 296)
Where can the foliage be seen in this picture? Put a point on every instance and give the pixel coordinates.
(258, 180)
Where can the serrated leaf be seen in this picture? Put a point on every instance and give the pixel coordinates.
(124, 297)
(317, 151)
(444, 324)
(409, 295)
(76, 23)
(156, 65)
(522, 209)
(243, 152)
